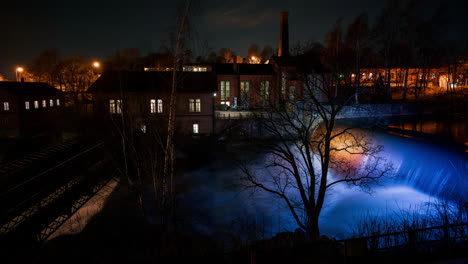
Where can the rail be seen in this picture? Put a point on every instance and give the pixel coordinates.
(412, 238)
(54, 193)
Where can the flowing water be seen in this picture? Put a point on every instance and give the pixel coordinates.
(427, 171)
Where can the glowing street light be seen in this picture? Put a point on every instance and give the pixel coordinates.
(19, 71)
(254, 60)
(96, 64)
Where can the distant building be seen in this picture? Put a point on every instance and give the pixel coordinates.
(29, 109)
(144, 98)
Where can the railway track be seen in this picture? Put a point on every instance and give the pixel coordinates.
(34, 205)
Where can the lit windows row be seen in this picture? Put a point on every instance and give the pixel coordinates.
(27, 104)
(225, 91)
(156, 106)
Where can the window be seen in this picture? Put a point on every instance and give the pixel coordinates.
(225, 92)
(36, 104)
(264, 91)
(152, 106)
(194, 105)
(44, 103)
(160, 106)
(197, 105)
(58, 102)
(115, 106)
(245, 92)
(51, 102)
(118, 106)
(26, 105)
(112, 106)
(6, 106)
(195, 128)
(191, 105)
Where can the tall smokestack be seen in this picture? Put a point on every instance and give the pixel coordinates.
(283, 46)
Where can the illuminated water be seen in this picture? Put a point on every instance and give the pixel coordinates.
(426, 173)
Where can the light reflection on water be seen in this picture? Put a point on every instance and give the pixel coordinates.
(427, 173)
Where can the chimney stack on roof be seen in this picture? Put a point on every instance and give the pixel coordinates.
(283, 46)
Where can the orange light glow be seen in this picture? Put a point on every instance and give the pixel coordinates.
(19, 69)
(254, 60)
(96, 64)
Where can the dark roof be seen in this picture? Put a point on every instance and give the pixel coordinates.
(153, 81)
(29, 89)
(243, 69)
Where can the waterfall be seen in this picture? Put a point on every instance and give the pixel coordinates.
(433, 169)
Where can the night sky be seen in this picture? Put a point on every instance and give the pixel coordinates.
(97, 29)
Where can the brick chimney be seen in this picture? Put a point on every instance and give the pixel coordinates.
(283, 46)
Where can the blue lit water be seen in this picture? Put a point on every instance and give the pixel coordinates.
(427, 172)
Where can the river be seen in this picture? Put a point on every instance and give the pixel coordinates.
(429, 170)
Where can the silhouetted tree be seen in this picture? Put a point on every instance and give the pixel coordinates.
(301, 144)
(357, 43)
(266, 54)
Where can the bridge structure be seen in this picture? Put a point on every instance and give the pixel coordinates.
(41, 191)
(226, 120)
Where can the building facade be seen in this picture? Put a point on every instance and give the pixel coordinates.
(143, 100)
(29, 109)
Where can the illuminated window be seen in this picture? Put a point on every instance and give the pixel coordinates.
(118, 106)
(36, 104)
(26, 105)
(58, 102)
(44, 103)
(225, 92)
(197, 105)
(195, 128)
(191, 105)
(6, 106)
(115, 106)
(245, 92)
(153, 106)
(112, 106)
(160, 106)
(51, 102)
(194, 105)
(264, 91)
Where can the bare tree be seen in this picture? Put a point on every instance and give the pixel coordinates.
(302, 145)
(168, 197)
(357, 42)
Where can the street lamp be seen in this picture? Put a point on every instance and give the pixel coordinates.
(96, 64)
(19, 71)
